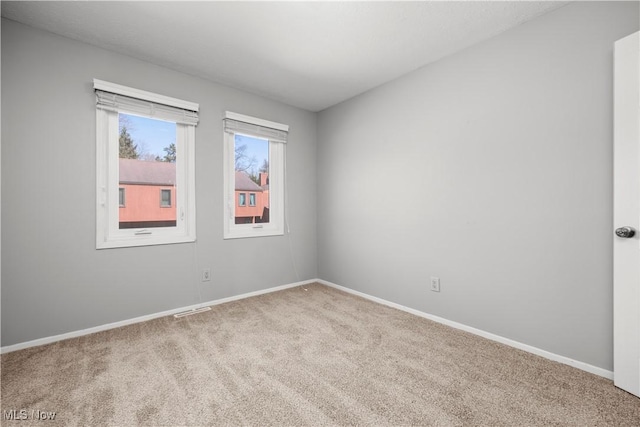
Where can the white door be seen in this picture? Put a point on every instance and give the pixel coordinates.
(626, 207)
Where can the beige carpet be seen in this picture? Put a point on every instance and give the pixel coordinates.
(296, 357)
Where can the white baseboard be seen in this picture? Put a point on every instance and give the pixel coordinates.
(534, 350)
(537, 351)
(55, 338)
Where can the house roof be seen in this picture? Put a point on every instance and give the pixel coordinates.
(147, 172)
(244, 183)
(144, 172)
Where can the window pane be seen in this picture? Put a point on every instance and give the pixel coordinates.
(147, 167)
(165, 198)
(121, 197)
(251, 175)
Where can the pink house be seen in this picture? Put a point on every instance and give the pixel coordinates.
(147, 194)
(251, 199)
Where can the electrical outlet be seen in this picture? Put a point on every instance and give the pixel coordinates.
(206, 274)
(435, 284)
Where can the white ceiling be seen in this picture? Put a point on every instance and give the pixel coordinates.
(310, 55)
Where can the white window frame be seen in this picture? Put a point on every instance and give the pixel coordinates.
(108, 233)
(275, 226)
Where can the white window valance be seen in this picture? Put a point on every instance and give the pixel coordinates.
(238, 123)
(113, 97)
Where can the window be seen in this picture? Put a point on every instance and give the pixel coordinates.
(253, 163)
(165, 198)
(145, 148)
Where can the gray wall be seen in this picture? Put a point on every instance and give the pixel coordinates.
(53, 279)
(491, 169)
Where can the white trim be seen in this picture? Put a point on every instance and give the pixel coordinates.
(83, 332)
(255, 121)
(142, 94)
(511, 343)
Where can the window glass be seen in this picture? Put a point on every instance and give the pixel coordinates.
(147, 165)
(165, 198)
(252, 175)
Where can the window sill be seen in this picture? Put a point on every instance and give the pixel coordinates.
(144, 241)
(253, 230)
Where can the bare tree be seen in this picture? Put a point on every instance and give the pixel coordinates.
(244, 162)
(143, 152)
(265, 166)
